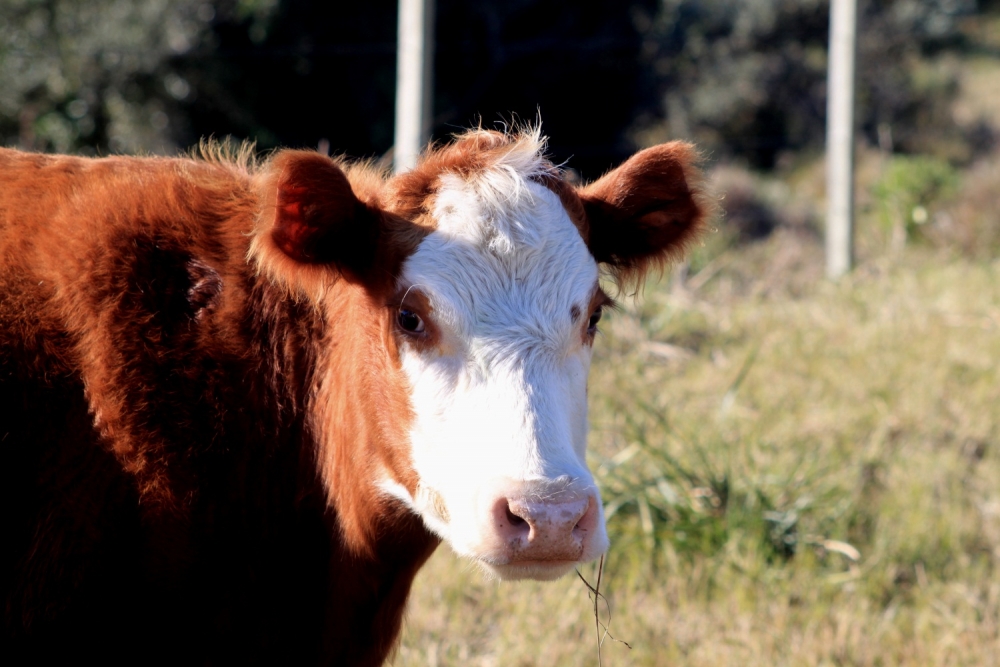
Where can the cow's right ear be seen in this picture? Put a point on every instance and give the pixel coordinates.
(313, 229)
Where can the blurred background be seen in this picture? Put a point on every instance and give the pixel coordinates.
(796, 471)
(746, 80)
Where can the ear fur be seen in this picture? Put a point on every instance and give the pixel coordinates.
(646, 212)
(313, 229)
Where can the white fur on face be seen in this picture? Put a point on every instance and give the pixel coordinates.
(501, 402)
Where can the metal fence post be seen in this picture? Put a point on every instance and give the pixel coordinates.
(840, 139)
(414, 72)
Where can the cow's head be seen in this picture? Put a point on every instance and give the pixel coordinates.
(485, 265)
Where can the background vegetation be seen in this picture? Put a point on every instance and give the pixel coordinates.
(745, 79)
(795, 472)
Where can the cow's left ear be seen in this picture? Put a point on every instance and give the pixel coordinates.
(313, 228)
(645, 212)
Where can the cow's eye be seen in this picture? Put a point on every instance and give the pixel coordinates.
(409, 321)
(595, 317)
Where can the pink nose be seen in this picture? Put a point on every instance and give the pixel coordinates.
(532, 530)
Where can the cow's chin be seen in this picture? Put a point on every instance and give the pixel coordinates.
(538, 570)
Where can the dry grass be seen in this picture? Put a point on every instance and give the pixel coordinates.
(751, 430)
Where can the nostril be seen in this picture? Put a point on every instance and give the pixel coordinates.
(515, 525)
(514, 519)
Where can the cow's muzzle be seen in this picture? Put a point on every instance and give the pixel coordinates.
(543, 537)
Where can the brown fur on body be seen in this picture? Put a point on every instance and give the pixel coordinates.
(161, 501)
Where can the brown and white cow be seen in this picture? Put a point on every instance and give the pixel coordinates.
(241, 404)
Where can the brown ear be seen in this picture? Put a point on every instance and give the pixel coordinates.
(646, 212)
(317, 217)
(313, 229)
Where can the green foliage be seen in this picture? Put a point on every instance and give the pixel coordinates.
(673, 504)
(909, 190)
(670, 497)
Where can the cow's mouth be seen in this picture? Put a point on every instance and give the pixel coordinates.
(540, 570)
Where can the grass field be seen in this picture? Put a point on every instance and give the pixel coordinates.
(796, 472)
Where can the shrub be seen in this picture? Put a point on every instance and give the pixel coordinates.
(908, 191)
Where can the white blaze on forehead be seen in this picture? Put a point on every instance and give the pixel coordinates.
(502, 398)
(522, 266)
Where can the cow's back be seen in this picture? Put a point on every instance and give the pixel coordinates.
(148, 490)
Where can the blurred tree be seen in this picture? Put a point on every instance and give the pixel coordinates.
(327, 70)
(747, 78)
(154, 75)
(744, 78)
(94, 75)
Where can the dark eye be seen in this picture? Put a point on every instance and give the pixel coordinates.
(594, 319)
(409, 321)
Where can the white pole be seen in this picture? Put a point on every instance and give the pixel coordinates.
(414, 67)
(840, 139)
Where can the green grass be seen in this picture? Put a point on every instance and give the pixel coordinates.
(796, 472)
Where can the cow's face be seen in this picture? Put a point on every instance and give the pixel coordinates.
(494, 312)
(497, 314)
